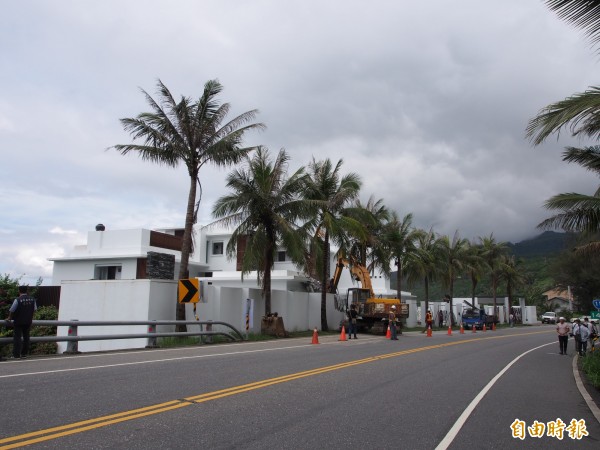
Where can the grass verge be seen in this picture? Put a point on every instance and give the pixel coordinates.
(590, 365)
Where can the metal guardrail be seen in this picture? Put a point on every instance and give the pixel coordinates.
(73, 338)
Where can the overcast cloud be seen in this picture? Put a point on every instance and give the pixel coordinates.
(427, 101)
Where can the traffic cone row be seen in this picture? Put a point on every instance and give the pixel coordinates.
(474, 331)
(315, 338)
(462, 330)
(388, 334)
(449, 330)
(429, 332)
(494, 326)
(483, 327)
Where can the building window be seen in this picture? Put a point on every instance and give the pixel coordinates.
(217, 248)
(107, 273)
(281, 256)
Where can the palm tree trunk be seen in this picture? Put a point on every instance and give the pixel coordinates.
(267, 278)
(186, 246)
(399, 279)
(324, 326)
(494, 288)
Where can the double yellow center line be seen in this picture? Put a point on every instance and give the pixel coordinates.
(85, 425)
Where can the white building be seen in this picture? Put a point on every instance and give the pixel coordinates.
(130, 275)
(131, 255)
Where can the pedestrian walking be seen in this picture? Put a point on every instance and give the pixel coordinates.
(440, 319)
(352, 321)
(563, 329)
(21, 313)
(582, 334)
(392, 323)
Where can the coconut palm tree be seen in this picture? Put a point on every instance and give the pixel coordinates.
(511, 272)
(423, 264)
(580, 111)
(580, 114)
(330, 193)
(492, 252)
(578, 212)
(266, 206)
(475, 266)
(400, 237)
(369, 248)
(454, 254)
(193, 133)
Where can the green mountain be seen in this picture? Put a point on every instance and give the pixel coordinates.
(549, 243)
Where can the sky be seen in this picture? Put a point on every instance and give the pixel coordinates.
(427, 101)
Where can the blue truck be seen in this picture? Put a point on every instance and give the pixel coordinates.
(478, 318)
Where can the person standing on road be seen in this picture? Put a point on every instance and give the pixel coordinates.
(563, 329)
(582, 334)
(593, 332)
(352, 323)
(440, 319)
(21, 313)
(392, 323)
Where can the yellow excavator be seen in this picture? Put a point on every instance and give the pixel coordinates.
(372, 311)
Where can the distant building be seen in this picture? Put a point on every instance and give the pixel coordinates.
(559, 299)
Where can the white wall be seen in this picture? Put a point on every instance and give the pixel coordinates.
(115, 300)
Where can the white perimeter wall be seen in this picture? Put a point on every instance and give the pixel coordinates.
(143, 300)
(98, 300)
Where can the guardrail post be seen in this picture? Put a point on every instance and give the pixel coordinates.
(72, 346)
(209, 328)
(152, 343)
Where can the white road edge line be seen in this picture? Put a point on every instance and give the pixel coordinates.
(179, 358)
(451, 435)
(583, 391)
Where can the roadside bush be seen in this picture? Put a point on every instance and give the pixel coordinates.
(590, 365)
(38, 348)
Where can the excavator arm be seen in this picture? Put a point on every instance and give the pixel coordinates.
(358, 272)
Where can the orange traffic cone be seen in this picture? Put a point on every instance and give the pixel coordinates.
(388, 335)
(483, 329)
(462, 330)
(429, 332)
(315, 339)
(449, 330)
(343, 334)
(494, 326)
(474, 329)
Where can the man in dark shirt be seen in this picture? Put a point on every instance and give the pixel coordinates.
(21, 313)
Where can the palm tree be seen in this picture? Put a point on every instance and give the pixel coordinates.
(475, 265)
(492, 252)
(369, 247)
(511, 273)
(192, 133)
(400, 237)
(577, 212)
(581, 114)
(423, 264)
(454, 255)
(329, 193)
(265, 205)
(579, 110)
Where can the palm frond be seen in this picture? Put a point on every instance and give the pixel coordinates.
(584, 14)
(581, 111)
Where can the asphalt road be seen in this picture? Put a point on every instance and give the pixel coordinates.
(290, 394)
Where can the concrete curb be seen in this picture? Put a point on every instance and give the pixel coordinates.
(583, 391)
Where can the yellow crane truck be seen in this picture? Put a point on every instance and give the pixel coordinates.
(372, 311)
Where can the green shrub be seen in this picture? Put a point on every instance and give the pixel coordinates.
(590, 365)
